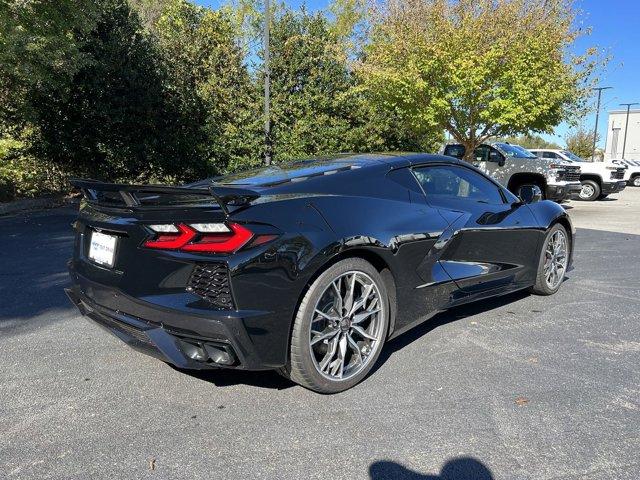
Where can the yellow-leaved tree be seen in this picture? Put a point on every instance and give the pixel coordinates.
(478, 68)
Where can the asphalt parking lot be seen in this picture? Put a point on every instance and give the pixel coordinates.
(521, 387)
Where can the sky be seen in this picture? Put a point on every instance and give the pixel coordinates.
(615, 31)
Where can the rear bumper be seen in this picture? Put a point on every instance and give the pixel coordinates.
(219, 340)
(613, 187)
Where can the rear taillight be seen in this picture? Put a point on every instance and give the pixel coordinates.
(201, 238)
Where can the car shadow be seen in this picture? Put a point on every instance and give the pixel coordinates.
(462, 468)
(272, 380)
(442, 318)
(36, 246)
(228, 377)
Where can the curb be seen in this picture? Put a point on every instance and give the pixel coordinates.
(34, 204)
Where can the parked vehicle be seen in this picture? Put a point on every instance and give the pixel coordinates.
(514, 167)
(632, 173)
(598, 179)
(307, 267)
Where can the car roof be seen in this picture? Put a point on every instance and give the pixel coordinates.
(299, 170)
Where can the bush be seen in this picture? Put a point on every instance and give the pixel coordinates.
(21, 175)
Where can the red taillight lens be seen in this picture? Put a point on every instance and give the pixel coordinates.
(189, 239)
(221, 242)
(172, 241)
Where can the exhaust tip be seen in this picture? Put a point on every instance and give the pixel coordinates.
(219, 355)
(207, 352)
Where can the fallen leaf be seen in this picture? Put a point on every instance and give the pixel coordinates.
(152, 464)
(520, 401)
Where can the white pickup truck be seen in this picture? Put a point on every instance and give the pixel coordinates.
(632, 175)
(514, 167)
(598, 179)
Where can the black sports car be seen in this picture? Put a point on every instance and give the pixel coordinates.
(310, 266)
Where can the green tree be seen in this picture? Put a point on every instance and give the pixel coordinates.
(109, 120)
(39, 49)
(530, 141)
(580, 142)
(209, 85)
(317, 105)
(477, 68)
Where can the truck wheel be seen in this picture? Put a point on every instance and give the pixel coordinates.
(635, 181)
(590, 190)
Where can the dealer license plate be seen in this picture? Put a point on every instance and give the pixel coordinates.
(102, 248)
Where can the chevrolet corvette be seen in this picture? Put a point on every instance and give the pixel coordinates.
(307, 267)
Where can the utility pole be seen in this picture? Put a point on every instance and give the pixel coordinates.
(626, 125)
(595, 130)
(267, 85)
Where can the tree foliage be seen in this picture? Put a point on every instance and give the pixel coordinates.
(38, 50)
(580, 142)
(208, 83)
(108, 120)
(317, 105)
(165, 90)
(477, 68)
(530, 141)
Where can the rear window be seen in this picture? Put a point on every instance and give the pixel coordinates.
(514, 151)
(572, 156)
(286, 172)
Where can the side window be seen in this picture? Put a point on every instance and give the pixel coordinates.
(449, 182)
(481, 153)
(549, 155)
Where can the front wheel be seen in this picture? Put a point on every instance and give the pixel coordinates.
(340, 327)
(636, 181)
(590, 190)
(553, 263)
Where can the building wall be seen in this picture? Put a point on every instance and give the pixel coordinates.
(615, 135)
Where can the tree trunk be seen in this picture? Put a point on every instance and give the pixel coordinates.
(469, 147)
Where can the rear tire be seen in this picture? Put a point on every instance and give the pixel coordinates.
(590, 190)
(556, 251)
(328, 321)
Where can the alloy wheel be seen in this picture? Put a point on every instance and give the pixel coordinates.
(556, 259)
(636, 181)
(347, 326)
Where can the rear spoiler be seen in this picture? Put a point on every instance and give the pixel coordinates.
(162, 196)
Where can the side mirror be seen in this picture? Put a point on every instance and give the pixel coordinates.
(497, 157)
(530, 194)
